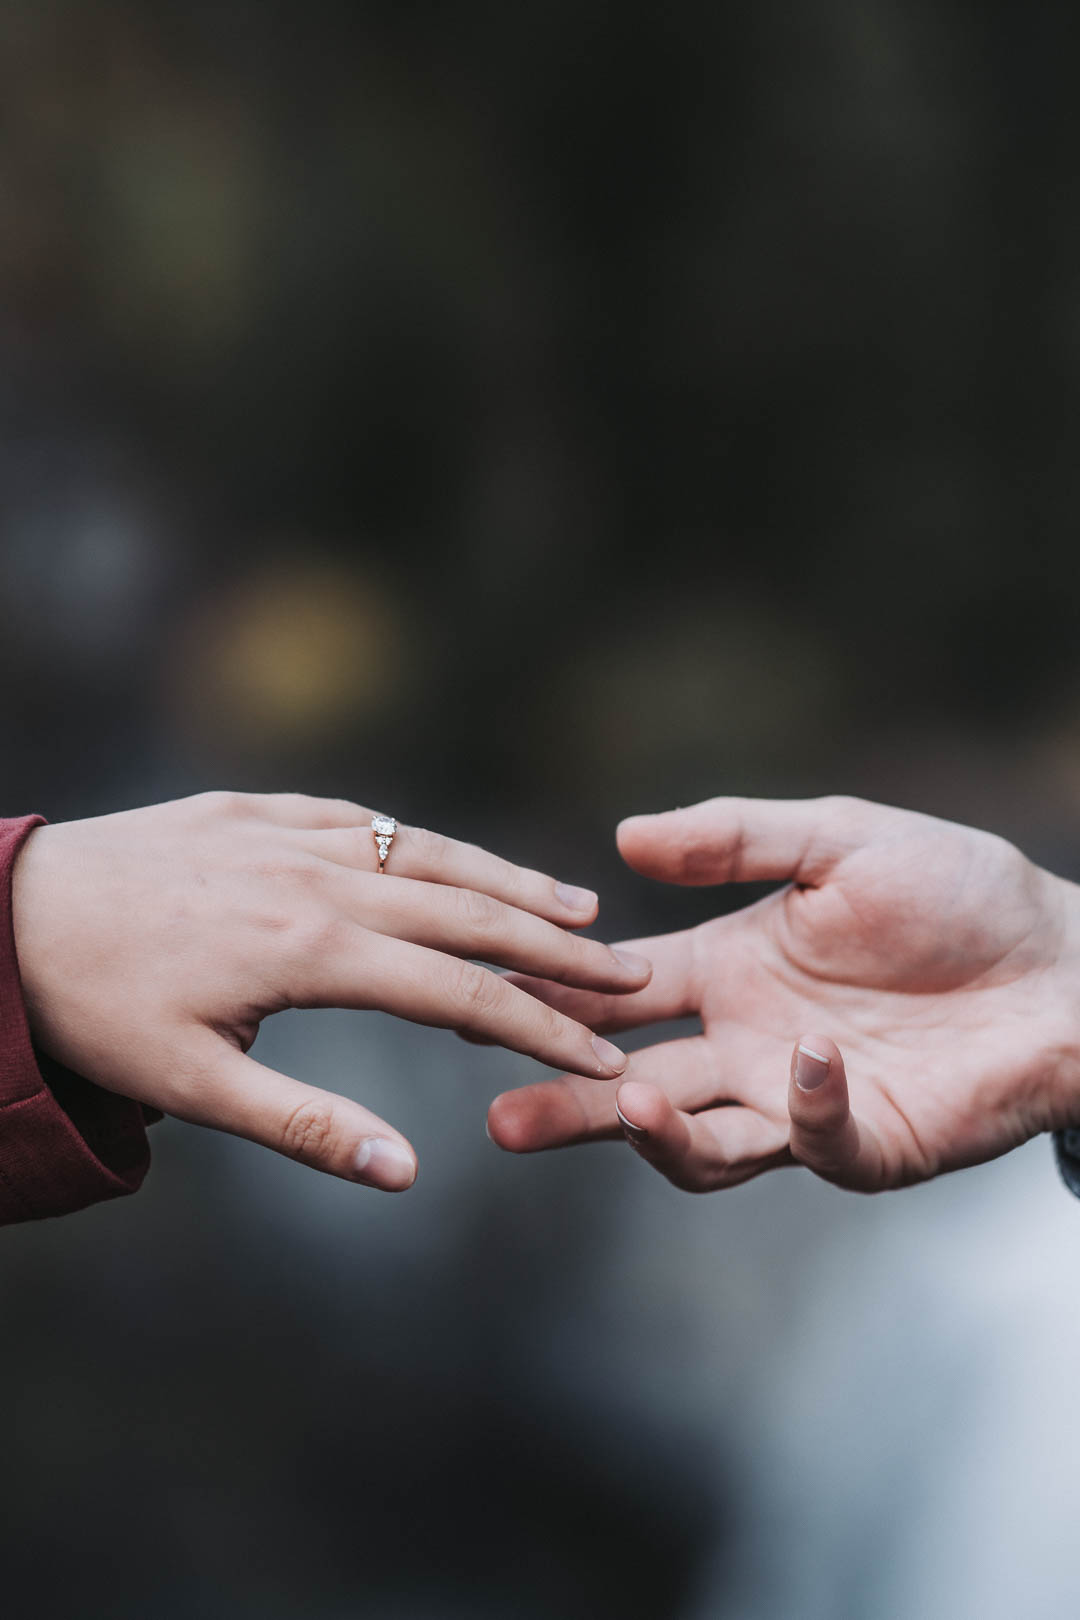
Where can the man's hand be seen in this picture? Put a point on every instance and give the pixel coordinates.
(151, 944)
(943, 962)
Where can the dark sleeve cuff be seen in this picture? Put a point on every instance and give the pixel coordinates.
(1067, 1148)
(64, 1143)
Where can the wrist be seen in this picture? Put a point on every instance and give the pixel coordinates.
(32, 930)
(1056, 1044)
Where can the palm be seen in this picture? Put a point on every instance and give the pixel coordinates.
(924, 949)
(924, 986)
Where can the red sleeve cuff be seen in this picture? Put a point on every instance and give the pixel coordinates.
(64, 1143)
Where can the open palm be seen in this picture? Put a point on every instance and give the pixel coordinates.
(938, 958)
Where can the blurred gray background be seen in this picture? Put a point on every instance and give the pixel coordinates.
(519, 416)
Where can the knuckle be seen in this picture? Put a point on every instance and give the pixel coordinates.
(1004, 855)
(587, 959)
(475, 990)
(482, 915)
(306, 938)
(515, 882)
(306, 875)
(223, 802)
(335, 812)
(842, 803)
(298, 873)
(308, 1131)
(847, 810)
(697, 839)
(551, 1028)
(688, 851)
(317, 934)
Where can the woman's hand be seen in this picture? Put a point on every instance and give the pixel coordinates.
(943, 962)
(152, 943)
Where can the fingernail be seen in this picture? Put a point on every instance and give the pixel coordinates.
(636, 1133)
(635, 964)
(575, 899)
(610, 1056)
(382, 1163)
(811, 1069)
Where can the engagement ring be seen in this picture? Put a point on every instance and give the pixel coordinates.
(384, 828)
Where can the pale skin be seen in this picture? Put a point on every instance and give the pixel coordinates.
(905, 1006)
(152, 943)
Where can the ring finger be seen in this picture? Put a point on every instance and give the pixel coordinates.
(434, 858)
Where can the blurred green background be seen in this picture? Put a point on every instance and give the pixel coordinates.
(515, 417)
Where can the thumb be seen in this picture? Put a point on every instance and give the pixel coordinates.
(231, 1092)
(825, 1135)
(748, 840)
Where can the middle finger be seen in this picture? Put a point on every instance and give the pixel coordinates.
(472, 924)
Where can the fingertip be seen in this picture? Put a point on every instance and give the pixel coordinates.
(642, 1109)
(823, 1045)
(508, 1123)
(384, 1163)
(817, 1098)
(612, 1059)
(628, 823)
(654, 844)
(631, 832)
(582, 904)
(825, 1136)
(638, 968)
(815, 1060)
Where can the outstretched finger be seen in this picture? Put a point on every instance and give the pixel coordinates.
(553, 1113)
(747, 840)
(563, 1112)
(232, 1092)
(672, 992)
(699, 1152)
(469, 923)
(825, 1135)
(301, 810)
(432, 857)
(357, 968)
(341, 832)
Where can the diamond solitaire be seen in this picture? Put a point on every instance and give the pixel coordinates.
(384, 828)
